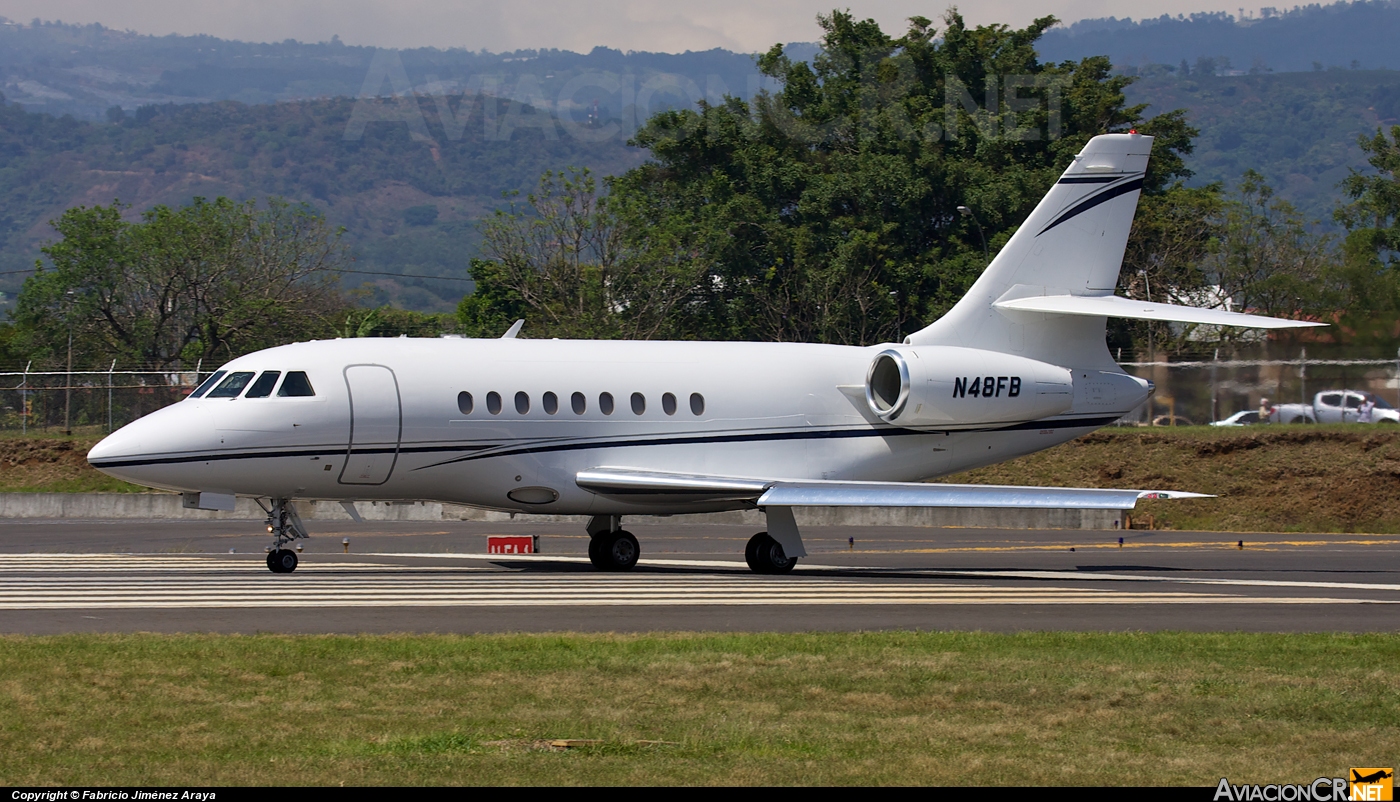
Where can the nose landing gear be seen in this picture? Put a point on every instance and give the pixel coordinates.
(284, 525)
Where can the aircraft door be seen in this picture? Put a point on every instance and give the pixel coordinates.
(375, 424)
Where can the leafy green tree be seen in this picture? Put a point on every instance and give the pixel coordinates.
(828, 210)
(1270, 260)
(575, 263)
(207, 281)
(1372, 245)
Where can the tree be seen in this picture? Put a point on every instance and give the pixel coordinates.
(1269, 259)
(576, 263)
(207, 281)
(1372, 246)
(827, 211)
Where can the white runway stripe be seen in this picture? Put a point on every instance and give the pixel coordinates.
(70, 582)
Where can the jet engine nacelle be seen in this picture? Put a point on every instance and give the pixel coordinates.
(939, 386)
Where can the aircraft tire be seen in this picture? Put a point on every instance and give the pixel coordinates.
(595, 551)
(282, 561)
(766, 556)
(617, 551)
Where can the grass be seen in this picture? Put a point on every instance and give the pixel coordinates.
(866, 708)
(54, 464)
(1338, 478)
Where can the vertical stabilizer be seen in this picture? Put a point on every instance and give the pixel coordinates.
(1072, 244)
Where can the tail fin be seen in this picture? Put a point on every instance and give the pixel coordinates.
(1072, 244)
(1048, 294)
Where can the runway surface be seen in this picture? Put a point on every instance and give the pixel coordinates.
(415, 577)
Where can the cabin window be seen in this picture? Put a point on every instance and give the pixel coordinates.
(668, 403)
(1353, 402)
(605, 403)
(1332, 399)
(579, 403)
(697, 404)
(522, 402)
(464, 402)
(233, 385)
(639, 403)
(262, 388)
(551, 403)
(209, 382)
(493, 402)
(296, 385)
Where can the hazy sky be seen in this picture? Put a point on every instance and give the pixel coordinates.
(498, 25)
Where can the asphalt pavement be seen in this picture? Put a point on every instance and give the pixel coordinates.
(209, 576)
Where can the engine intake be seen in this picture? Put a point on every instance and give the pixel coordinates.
(939, 386)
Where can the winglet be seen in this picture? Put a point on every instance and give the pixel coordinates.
(513, 330)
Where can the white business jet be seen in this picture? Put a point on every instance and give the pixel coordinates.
(608, 428)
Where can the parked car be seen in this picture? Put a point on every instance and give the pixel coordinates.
(1171, 420)
(1336, 406)
(1244, 418)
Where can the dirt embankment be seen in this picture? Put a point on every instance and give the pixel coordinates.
(1267, 479)
(53, 465)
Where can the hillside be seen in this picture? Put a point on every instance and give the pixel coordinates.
(304, 151)
(1267, 478)
(1339, 35)
(1298, 129)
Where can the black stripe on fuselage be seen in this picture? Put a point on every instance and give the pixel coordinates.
(547, 447)
(1095, 200)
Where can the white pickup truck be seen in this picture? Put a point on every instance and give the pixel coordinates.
(1336, 406)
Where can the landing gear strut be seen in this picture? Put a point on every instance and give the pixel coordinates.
(285, 526)
(610, 547)
(766, 556)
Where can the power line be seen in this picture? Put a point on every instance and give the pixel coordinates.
(332, 269)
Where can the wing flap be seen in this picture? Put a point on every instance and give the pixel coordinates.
(655, 486)
(927, 494)
(1117, 306)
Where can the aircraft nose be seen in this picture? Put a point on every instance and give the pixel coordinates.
(127, 452)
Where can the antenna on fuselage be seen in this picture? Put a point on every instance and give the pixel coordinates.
(513, 330)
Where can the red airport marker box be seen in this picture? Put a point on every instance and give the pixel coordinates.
(512, 544)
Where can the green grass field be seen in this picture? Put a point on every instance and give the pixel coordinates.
(872, 708)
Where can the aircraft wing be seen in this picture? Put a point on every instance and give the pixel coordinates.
(654, 486)
(1118, 306)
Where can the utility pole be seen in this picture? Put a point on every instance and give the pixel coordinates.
(966, 212)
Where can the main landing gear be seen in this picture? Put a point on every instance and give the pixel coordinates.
(285, 526)
(610, 547)
(766, 555)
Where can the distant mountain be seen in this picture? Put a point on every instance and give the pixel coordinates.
(408, 194)
(1343, 35)
(84, 70)
(1298, 129)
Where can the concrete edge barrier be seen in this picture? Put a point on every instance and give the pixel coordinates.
(167, 506)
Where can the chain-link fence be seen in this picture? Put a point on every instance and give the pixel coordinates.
(1192, 389)
(1203, 387)
(87, 401)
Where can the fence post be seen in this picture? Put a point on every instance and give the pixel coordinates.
(109, 395)
(24, 401)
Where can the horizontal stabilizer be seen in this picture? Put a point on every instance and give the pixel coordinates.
(1117, 306)
(644, 486)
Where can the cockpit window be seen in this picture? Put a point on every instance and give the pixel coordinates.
(262, 388)
(296, 385)
(209, 382)
(233, 385)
